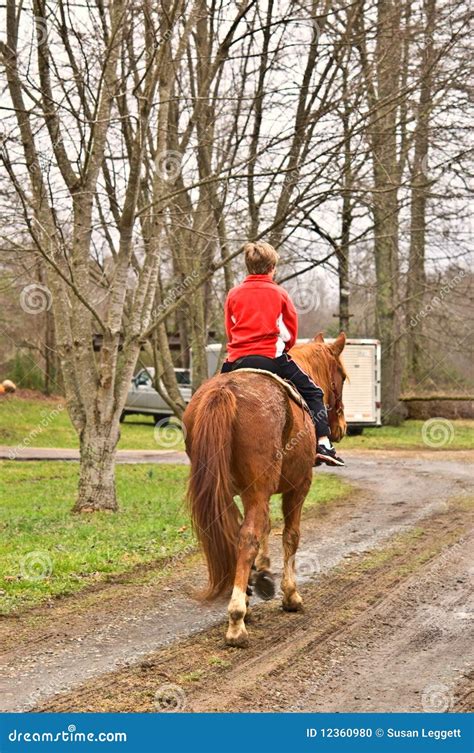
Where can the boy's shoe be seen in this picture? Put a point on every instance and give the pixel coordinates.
(327, 455)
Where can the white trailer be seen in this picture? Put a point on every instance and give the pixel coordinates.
(361, 396)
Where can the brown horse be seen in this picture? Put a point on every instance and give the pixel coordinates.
(246, 436)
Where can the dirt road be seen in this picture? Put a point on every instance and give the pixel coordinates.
(386, 577)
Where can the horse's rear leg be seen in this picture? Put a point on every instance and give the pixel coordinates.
(262, 561)
(262, 579)
(251, 532)
(292, 506)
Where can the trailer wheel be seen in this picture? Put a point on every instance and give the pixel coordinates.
(355, 431)
(161, 418)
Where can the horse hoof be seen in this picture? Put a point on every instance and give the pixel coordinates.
(240, 640)
(264, 584)
(293, 604)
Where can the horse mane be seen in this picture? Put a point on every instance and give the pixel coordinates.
(315, 359)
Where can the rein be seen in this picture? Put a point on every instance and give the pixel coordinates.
(338, 406)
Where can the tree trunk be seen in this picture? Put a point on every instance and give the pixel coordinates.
(343, 262)
(97, 469)
(419, 196)
(343, 272)
(164, 372)
(50, 371)
(344, 247)
(385, 204)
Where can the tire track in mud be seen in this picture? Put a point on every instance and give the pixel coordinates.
(316, 660)
(71, 641)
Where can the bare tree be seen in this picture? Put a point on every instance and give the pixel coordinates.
(69, 102)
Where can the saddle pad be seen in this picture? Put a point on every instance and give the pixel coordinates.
(292, 392)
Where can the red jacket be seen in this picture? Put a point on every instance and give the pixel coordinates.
(260, 319)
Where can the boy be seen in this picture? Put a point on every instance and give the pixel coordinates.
(261, 324)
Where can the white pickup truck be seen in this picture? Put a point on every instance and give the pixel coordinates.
(143, 399)
(362, 359)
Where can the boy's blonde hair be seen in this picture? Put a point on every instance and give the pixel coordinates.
(260, 258)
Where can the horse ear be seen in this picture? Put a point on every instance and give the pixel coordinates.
(319, 338)
(338, 345)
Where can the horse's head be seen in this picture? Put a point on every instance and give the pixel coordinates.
(322, 361)
(338, 375)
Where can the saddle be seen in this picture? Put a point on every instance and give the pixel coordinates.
(291, 391)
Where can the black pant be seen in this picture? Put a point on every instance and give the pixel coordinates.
(286, 368)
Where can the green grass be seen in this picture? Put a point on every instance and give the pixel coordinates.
(46, 551)
(435, 434)
(41, 423)
(38, 423)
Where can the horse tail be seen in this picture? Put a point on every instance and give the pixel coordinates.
(215, 516)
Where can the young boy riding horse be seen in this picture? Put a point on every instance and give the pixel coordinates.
(262, 326)
(233, 454)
